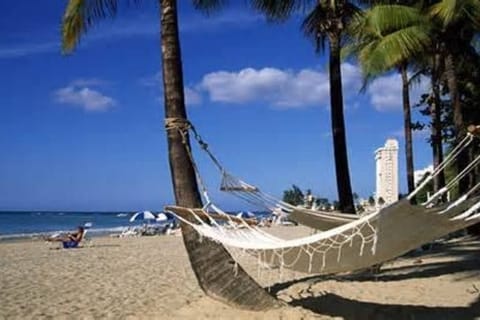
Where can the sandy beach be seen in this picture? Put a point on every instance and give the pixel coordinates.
(150, 278)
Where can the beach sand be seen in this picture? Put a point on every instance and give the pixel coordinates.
(150, 278)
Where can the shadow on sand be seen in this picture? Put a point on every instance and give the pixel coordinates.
(466, 266)
(337, 306)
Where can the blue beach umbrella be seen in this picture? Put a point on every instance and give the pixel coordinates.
(161, 217)
(143, 215)
(245, 215)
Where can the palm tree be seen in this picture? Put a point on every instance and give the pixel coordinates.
(436, 109)
(450, 26)
(457, 22)
(387, 37)
(407, 127)
(326, 22)
(210, 261)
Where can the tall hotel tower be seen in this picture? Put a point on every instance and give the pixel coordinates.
(387, 172)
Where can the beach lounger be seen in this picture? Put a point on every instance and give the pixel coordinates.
(70, 240)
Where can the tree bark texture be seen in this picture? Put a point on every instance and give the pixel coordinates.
(213, 266)
(436, 113)
(342, 170)
(407, 127)
(462, 159)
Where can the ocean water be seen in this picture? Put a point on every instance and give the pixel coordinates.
(32, 223)
(24, 224)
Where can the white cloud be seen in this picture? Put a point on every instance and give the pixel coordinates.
(351, 78)
(280, 88)
(26, 49)
(286, 88)
(78, 94)
(419, 174)
(192, 97)
(386, 92)
(424, 133)
(416, 134)
(89, 82)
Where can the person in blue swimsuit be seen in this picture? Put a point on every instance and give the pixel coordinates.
(69, 240)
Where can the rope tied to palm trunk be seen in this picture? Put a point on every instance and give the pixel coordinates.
(181, 125)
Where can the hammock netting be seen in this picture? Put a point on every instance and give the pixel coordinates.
(352, 243)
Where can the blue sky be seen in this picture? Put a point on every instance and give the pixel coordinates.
(85, 131)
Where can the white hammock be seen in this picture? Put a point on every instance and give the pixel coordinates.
(366, 241)
(322, 220)
(372, 239)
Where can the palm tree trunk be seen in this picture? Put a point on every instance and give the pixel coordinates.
(462, 159)
(182, 173)
(342, 171)
(211, 262)
(436, 112)
(407, 125)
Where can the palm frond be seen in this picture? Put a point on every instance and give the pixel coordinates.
(446, 10)
(349, 11)
(395, 48)
(472, 11)
(80, 15)
(209, 6)
(367, 80)
(384, 19)
(280, 9)
(386, 36)
(451, 11)
(416, 77)
(314, 24)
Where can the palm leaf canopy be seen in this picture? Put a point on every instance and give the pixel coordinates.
(453, 11)
(393, 49)
(328, 16)
(208, 6)
(387, 35)
(280, 9)
(81, 15)
(384, 19)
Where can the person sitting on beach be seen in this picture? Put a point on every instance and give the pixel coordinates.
(69, 240)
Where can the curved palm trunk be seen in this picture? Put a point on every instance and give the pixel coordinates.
(342, 171)
(407, 125)
(436, 112)
(211, 262)
(462, 159)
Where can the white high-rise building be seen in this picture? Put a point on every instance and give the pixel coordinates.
(387, 172)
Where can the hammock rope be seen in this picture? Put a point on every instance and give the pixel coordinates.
(253, 195)
(254, 242)
(323, 251)
(466, 141)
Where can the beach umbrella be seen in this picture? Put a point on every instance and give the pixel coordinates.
(245, 215)
(143, 215)
(161, 217)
